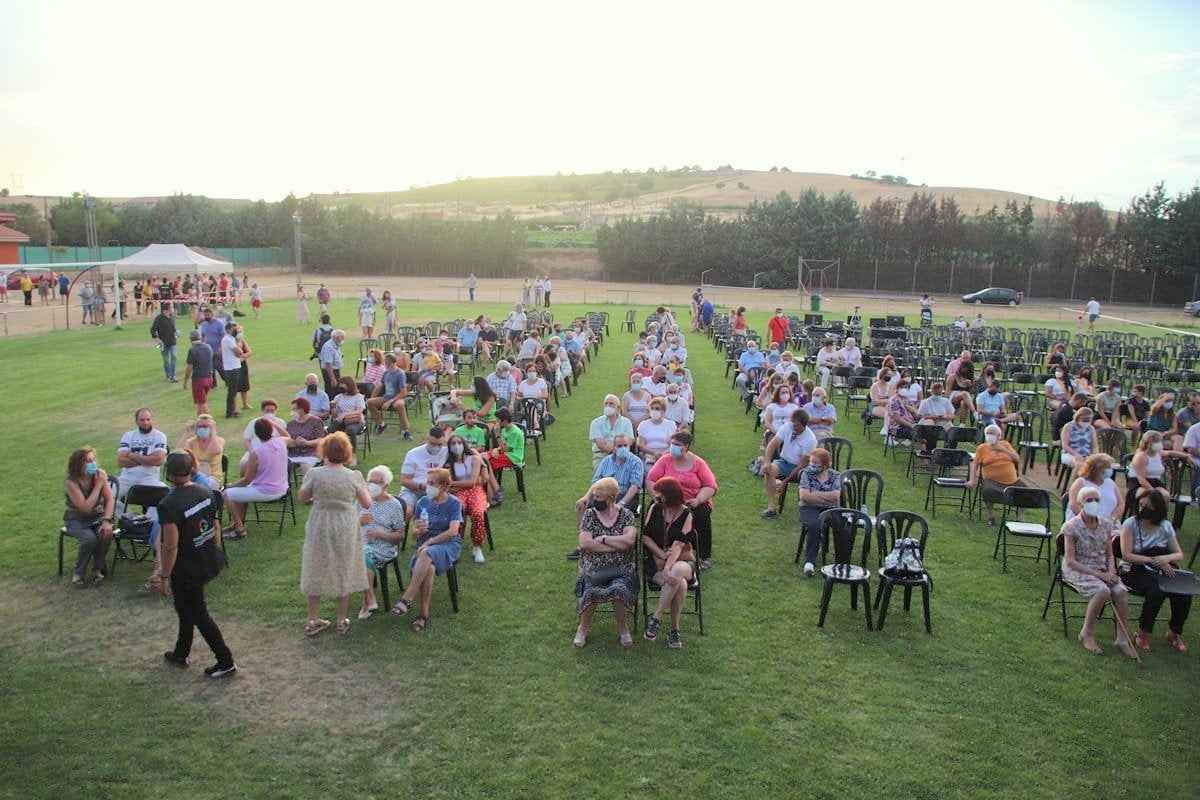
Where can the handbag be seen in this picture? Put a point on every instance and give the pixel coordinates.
(605, 575)
(135, 526)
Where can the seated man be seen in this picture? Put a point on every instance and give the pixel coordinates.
(139, 455)
(822, 416)
(318, 400)
(530, 347)
(470, 429)
(657, 385)
(389, 395)
(787, 454)
(674, 350)
(850, 355)
(990, 407)
(504, 385)
(750, 363)
(468, 339)
(936, 409)
(624, 467)
(606, 427)
(509, 450)
(414, 473)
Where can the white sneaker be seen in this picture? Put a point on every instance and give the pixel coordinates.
(809, 569)
(364, 614)
(477, 554)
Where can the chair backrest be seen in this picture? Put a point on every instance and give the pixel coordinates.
(838, 447)
(893, 525)
(962, 434)
(944, 459)
(386, 342)
(860, 487)
(1030, 498)
(1035, 425)
(365, 346)
(843, 526)
(146, 496)
(1111, 441)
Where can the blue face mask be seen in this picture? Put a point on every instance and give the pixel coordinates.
(1108, 473)
(636, 387)
(676, 450)
(91, 468)
(621, 453)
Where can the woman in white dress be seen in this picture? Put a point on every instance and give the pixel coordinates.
(302, 314)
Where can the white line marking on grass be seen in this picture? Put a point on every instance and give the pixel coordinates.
(1136, 322)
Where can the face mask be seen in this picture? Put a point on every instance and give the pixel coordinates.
(531, 376)
(1092, 508)
(432, 449)
(204, 433)
(637, 362)
(621, 453)
(676, 450)
(635, 387)
(784, 397)
(1145, 512)
(671, 398)
(1058, 375)
(311, 388)
(815, 469)
(374, 490)
(268, 415)
(610, 411)
(677, 378)
(1157, 447)
(752, 349)
(91, 468)
(1085, 421)
(818, 401)
(601, 505)
(992, 438)
(780, 315)
(1169, 404)
(432, 491)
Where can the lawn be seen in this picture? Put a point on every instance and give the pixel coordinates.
(494, 702)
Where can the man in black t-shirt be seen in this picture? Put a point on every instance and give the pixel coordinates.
(191, 555)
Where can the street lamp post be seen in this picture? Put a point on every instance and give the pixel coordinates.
(296, 220)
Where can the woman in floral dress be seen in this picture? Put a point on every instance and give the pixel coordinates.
(607, 565)
(1088, 566)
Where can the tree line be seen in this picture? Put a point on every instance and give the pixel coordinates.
(1155, 232)
(347, 238)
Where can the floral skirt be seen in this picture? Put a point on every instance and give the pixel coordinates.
(622, 589)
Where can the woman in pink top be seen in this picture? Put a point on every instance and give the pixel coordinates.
(699, 485)
(265, 479)
(373, 369)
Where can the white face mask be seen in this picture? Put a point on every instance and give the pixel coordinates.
(610, 411)
(457, 449)
(268, 415)
(1157, 447)
(432, 491)
(375, 490)
(1092, 508)
(295, 415)
(992, 438)
(656, 415)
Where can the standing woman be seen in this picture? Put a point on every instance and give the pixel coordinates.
(466, 470)
(255, 299)
(302, 313)
(389, 310)
(699, 486)
(669, 539)
(607, 564)
(1088, 566)
(333, 564)
(88, 514)
(739, 321)
(438, 527)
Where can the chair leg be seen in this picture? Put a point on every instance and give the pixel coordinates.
(381, 576)
(487, 527)
(825, 594)
(452, 582)
(521, 483)
(60, 554)
(925, 603)
(866, 589)
(885, 592)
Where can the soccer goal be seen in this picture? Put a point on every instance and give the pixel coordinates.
(813, 276)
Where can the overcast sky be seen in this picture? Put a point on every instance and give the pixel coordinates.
(1096, 100)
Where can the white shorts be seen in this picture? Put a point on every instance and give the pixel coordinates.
(250, 494)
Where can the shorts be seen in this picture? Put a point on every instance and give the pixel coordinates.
(513, 336)
(200, 390)
(500, 462)
(256, 303)
(250, 494)
(1093, 317)
(785, 467)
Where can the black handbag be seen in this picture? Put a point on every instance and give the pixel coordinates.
(605, 575)
(135, 526)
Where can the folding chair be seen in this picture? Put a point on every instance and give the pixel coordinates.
(1028, 498)
(950, 473)
(282, 507)
(140, 547)
(651, 591)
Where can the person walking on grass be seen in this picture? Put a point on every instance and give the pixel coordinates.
(1093, 312)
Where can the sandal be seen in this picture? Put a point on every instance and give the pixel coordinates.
(315, 626)
(652, 629)
(402, 607)
(78, 583)
(343, 625)
(1176, 641)
(97, 578)
(418, 624)
(625, 640)
(1090, 645)
(580, 640)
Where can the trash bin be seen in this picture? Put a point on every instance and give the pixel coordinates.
(814, 302)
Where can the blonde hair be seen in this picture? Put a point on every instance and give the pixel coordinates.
(607, 488)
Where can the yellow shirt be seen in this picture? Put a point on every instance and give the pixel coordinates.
(994, 465)
(26, 284)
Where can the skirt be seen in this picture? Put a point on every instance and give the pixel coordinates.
(442, 554)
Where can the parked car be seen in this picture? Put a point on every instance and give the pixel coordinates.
(1192, 308)
(35, 274)
(993, 296)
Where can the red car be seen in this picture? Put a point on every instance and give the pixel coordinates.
(35, 274)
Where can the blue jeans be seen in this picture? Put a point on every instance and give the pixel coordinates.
(168, 356)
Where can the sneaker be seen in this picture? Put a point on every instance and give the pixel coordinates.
(477, 555)
(673, 640)
(364, 614)
(768, 514)
(573, 555)
(408, 434)
(171, 657)
(382, 427)
(220, 670)
(809, 569)
(652, 629)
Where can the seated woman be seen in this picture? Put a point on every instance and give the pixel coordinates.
(635, 405)
(1083, 382)
(1078, 438)
(348, 412)
(766, 391)
(438, 528)
(483, 399)
(1149, 548)
(671, 543)
(1057, 357)
(534, 388)
(88, 514)
(880, 395)
(995, 466)
(466, 483)
(1108, 407)
(265, 479)
(1088, 567)
(901, 413)
(381, 533)
(640, 365)
(778, 412)
(306, 432)
(1096, 471)
(207, 447)
(916, 392)
(1162, 414)
(607, 566)
(654, 434)
(1135, 410)
(373, 370)
(429, 366)
(1147, 468)
(1058, 388)
(820, 490)
(699, 487)
(961, 384)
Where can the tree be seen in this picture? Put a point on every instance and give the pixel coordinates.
(29, 221)
(67, 220)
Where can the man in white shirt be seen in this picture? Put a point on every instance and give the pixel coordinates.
(548, 286)
(141, 452)
(331, 362)
(827, 359)
(1093, 312)
(850, 355)
(787, 454)
(231, 368)
(414, 473)
(787, 366)
(936, 409)
(674, 351)
(530, 347)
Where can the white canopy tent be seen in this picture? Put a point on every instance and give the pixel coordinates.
(166, 259)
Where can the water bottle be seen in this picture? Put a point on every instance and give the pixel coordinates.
(425, 518)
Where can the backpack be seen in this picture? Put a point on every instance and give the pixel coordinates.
(905, 559)
(320, 337)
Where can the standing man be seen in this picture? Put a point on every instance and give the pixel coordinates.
(472, 284)
(85, 302)
(140, 454)
(331, 362)
(212, 331)
(163, 332)
(199, 371)
(777, 328)
(547, 286)
(322, 298)
(231, 368)
(191, 556)
(1093, 312)
(64, 288)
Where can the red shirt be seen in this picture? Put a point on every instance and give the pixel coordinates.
(778, 327)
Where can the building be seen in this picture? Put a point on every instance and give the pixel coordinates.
(11, 240)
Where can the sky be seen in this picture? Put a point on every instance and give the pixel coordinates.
(1086, 100)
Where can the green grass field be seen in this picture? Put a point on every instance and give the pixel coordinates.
(494, 702)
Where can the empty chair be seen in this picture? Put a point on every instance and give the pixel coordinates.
(1017, 499)
(950, 470)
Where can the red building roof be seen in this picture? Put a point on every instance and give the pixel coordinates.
(8, 234)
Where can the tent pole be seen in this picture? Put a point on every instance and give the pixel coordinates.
(117, 293)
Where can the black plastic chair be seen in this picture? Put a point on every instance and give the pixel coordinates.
(916, 458)
(890, 527)
(1033, 441)
(859, 488)
(841, 452)
(842, 525)
(1027, 498)
(281, 507)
